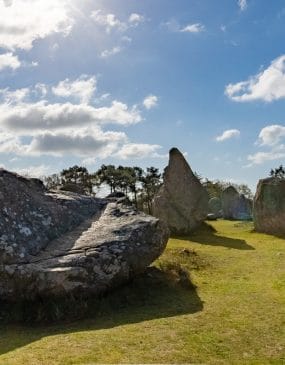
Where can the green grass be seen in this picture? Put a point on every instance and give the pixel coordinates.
(215, 298)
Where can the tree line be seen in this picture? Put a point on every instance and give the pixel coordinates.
(137, 184)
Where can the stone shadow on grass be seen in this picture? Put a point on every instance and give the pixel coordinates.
(151, 295)
(207, 235)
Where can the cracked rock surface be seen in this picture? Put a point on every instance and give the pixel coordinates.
(53, 244)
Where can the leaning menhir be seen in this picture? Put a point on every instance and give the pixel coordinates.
(269, 206)
(56, 244)
(181, 202)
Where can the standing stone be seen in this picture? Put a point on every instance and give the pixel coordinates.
(230, 201)
(215, 207)
(235, 205)
(181, 202)
(269, 206)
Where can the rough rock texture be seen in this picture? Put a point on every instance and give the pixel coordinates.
(53, 244)
(235, 205)
(181, 202)
(269, 206)
(30, 217)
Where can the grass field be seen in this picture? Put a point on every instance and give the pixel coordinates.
(215, 298)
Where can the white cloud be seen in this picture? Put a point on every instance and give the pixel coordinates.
(82, 142)
(41, 89)
(228, 134)
(271, 135)
(136, 18)
(13, 97)
(111, 52)
(37, 171)
(126, 39)
(138, 151)
(242, 4)
(39, 116)
(193, 28)
(24, 21)
(110, 21)
(268, 85)
(82, 88)
(79, 142)
(36, 128)
(150, 101)
(261, 157)
(174, 26)
(8, 60)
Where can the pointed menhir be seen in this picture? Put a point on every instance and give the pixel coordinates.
(181, 202)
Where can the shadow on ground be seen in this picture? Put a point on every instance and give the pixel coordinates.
(207, 235)
(151, 295)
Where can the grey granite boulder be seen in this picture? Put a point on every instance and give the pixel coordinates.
(54, 244)
(215, 207)
(181, 202)
(235, 206)
(269, 206)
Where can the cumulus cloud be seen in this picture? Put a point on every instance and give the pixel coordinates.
(271, 135)
(108, 21)
(193, 28)
(111, 52)
(41, 89)
(150, 101)
(261, 157)
(39, 116)
(111, 22)
(13, 96)
(138, 151)
(80, 143)
(35, 128)
(268, 85)
(242, 4)
(228, 134)
(82, 88)
(36, 171)
(24, 21)
(136, 18)
(8, 60)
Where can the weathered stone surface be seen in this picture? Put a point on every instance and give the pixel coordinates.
(269, 206)
(215, 207)
(235, 205)
(30, 217)
(181, 202)
(53, 244)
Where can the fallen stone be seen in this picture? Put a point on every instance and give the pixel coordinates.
(57, 244)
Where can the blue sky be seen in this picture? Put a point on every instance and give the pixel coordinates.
(121, 82)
